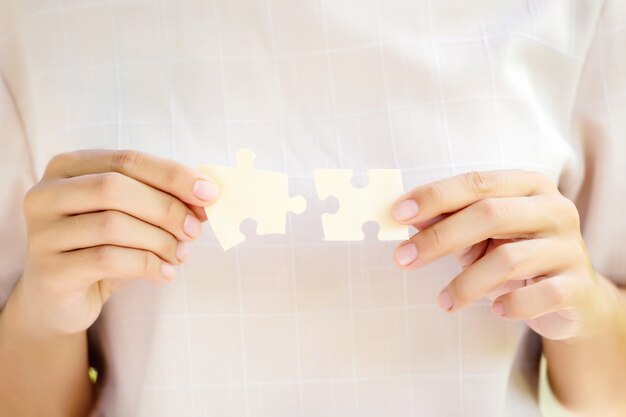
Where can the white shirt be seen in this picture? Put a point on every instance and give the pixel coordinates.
(290, 325)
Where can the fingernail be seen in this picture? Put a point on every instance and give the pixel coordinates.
(406, 254)
(405, 210)
(445, 301)
(205, 190)
(182, 251)
(498, 308)
(192, 226)
(168, 271)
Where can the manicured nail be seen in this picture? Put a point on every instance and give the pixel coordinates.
(406, 254)
(205, 190)
(182, 251)
(192, 226)
(498, 309)
(168, 271)
(405, 210)
(445, 301)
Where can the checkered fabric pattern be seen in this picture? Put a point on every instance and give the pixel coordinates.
(290, 325)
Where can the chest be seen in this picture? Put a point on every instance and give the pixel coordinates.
(430, 89)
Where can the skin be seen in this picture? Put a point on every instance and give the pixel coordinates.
(99, 219)
(519, 243)
(96, 221)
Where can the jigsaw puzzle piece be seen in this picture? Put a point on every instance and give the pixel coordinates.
(226, 231)
(273, 220)
(247, 193)
(360, 205)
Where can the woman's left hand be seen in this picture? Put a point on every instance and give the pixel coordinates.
(519, 243)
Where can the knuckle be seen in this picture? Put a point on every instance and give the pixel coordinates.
(434, 238)
(146, 263)
(556, 291)
(125, 161)
(30, 203)
(510, 258)
(170, 209)
(542, 181)
(58, 161)
(480, 183)
(168, 247)
(460, 291)
(492, 210)
(172, 176)
(110, 224)
(108, 184)
(569, 214)
(105, 257)
(434, 194)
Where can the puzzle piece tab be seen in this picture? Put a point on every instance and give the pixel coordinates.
(360, 205)
(247, 193)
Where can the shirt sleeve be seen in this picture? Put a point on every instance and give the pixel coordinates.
(599, 124)
(599, 136)
(16, 177)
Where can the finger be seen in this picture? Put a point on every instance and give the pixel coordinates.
(455, 193)
(468, 256)
(546, 296)
(107, 287)
(199, 212)
(113, 191)
(505, 288)
(91, 265)
(498, 218)
(112, 227)
(510, 286)
(427, 223)
(519, 260)
(183, 182)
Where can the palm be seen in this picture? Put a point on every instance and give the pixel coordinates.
(87, 306)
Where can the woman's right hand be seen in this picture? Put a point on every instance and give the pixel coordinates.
(98, 219)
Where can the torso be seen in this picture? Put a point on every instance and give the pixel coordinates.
(290, 325)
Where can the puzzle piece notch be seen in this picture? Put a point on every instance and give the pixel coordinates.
(247, 193)
(360, 205)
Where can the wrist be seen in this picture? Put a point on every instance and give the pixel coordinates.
(587, 372)
(608, 311)
(603, 315)
(22, 319)
(48, 371)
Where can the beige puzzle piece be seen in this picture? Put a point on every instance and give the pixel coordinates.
(247, 193)
(360, 205)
